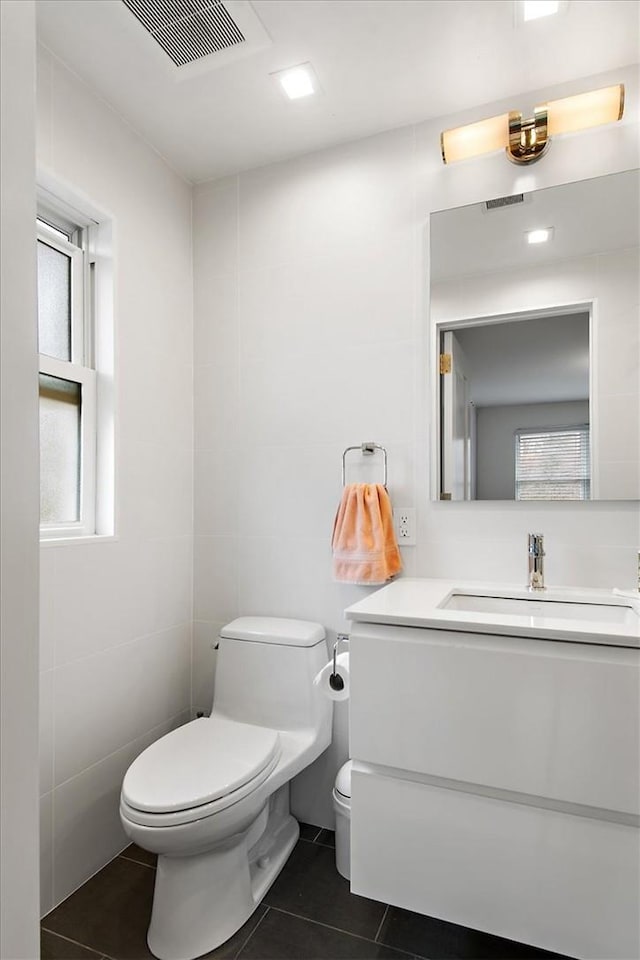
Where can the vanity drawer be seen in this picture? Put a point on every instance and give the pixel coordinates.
(539, 717)
(562, 882)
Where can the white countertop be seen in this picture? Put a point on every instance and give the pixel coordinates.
(421, 603)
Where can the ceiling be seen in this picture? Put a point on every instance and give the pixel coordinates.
(380, 63)
(588, 217)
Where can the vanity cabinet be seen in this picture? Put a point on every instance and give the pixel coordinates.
(496, 783)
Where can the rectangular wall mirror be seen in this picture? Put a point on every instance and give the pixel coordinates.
(535, 318)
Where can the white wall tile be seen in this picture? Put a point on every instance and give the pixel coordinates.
(167, 584)
(609, 524)
(46, 853)
(618, 364)
(155, 483)
(85, 617)
(618, 282)
(291, 577)
(597, 566)
(44, 140)
(619, 427)
(365, 296)
(203, 664)
(215, 222)
(216, 315)
(355, 394)
(216, 414)
(217, 474)
(151, 580)
(620, 480)
(328, 202)
(46, 731)
(87, 829)
(156, 405)
(105, 701)
(48, 557)
(215, 595)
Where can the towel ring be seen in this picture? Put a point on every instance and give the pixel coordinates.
(367, 449)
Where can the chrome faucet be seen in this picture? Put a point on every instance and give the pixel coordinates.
(536, 561)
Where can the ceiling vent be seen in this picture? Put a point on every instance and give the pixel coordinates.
(504, 201)
(188, 30)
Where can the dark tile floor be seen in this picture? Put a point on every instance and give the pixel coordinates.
(308, 914)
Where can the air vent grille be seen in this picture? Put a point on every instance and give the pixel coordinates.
(187, 30)
(504, 201)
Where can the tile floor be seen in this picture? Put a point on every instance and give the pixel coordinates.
(308, 914)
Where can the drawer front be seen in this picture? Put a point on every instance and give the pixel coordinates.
(561, 882)
(544, 718)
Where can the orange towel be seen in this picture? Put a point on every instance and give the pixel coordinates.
(364, 542)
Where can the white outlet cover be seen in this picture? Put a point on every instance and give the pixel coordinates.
(404, 522)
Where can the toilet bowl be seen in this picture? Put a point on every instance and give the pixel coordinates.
(212, 797)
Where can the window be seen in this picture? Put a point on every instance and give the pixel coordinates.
(553, 463)
(67, 375)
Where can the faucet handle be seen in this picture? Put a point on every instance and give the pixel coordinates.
(536, 545)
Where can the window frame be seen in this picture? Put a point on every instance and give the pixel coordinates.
(583, 430)
(79, 369)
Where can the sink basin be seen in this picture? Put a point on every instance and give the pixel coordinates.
(535, 606)
(575, 614)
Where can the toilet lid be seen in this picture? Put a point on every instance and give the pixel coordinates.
(199, 762)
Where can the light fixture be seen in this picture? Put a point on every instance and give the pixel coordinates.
(541, 235)
(534, 9)
(526, 140)
(297, 82)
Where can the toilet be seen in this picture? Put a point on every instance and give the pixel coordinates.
(212, 797)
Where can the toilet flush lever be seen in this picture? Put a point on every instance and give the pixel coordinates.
(335, 680)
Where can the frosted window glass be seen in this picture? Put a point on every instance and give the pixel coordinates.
(60, 404)
(54, 302)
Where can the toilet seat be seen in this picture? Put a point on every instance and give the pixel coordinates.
(198, 769)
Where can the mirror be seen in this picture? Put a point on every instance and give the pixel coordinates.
(537, 345)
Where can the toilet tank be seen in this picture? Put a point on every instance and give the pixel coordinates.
(265, 671)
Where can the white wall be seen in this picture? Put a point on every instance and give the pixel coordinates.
(19, 935)
(495, 439)
(116, 614)
(311, 334)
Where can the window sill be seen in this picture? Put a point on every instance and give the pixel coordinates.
(68, 541)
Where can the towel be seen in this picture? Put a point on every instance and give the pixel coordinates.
(364, 542)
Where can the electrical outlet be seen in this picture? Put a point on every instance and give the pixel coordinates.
(404, 519)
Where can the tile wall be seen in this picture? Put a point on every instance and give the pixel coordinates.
(311, 334)
(115, 654)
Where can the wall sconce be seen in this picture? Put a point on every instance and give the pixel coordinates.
(526, 141)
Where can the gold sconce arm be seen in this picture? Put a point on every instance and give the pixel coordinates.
(528, 139)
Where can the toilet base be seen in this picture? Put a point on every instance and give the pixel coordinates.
(200, 901)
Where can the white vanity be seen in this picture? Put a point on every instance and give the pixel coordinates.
(495, 735)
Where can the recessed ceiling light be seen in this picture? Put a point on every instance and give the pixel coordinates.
(539, 236)
(534, 9)
(297, 82)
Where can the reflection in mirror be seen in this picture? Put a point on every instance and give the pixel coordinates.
(538, 369)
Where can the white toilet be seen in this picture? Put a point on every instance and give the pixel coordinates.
(212, 797)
